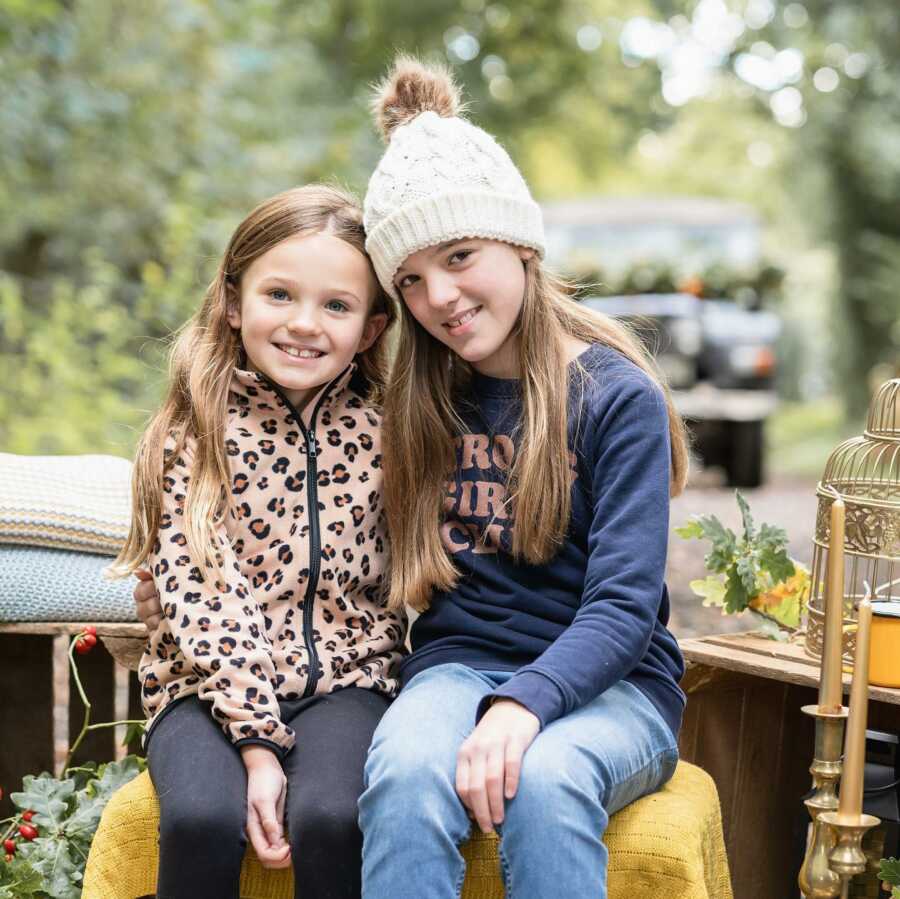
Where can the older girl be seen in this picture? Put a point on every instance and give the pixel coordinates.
(257, 507)
(530, 452)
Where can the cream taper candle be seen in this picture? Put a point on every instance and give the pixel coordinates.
(850, 806)
(830, 692)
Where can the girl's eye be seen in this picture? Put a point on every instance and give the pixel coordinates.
(406, 281)
(460, 255)
(278, 293)
(336, 305)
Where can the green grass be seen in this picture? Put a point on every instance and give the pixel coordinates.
(801, 436)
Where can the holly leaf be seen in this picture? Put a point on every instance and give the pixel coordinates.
(746, 571)
(113, 775)
(83, 775)
(693, 530)
(736, 595)
(771, 537)
(46, 796)
(767, 626)
(724, 542)
(90, 802)
(746, 517)
(889, 871)
(134, 731)
(711, 589)
(777, 563)
(21, 879)
(724, 546)
(51, 858)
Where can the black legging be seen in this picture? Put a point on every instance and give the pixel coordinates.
(202, 787)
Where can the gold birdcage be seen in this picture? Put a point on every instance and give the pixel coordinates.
(865, 472)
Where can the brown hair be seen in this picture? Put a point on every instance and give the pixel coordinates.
(421, 424)
(202, 359)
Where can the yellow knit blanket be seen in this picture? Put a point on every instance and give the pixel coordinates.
(668, 845)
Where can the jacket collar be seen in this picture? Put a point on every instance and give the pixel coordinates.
(253, 385)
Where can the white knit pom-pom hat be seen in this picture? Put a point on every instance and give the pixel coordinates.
(443, 178)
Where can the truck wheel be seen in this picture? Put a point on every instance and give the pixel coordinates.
(745, 458)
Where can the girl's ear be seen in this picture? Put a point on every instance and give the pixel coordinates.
(375, 324)
(525, 253)
(233, 306)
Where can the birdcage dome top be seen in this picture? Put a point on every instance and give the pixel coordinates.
(868, 466)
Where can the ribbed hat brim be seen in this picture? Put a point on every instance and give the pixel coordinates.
(452, 216)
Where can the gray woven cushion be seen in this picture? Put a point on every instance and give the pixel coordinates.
(38, 584)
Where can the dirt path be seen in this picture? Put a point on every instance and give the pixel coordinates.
(788, 503)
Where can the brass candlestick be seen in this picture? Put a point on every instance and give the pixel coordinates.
(847, 857)
(817, 880)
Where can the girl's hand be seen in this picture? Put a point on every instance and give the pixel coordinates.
(490, 760)
(266, 792)
(146, 600)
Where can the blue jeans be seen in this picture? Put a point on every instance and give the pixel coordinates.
(579, 770)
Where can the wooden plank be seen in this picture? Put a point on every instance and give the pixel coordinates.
(777, 661)
(26, 710)
(104, 628)
(124, 641)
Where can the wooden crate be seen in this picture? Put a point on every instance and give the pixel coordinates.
(743, 724)
(35, 680)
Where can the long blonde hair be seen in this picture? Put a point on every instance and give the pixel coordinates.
(421, 425)
(201, 362)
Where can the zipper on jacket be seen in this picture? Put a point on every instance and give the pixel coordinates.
(315, 547)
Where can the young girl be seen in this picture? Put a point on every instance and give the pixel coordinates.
(257, 498)
(530, 452)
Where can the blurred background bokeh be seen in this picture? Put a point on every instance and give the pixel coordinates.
(741, 152)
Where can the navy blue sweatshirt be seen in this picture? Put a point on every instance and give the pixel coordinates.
(596, 613)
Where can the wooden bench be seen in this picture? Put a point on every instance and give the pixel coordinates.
(668, 844)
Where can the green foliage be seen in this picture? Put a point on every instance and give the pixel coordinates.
(759, 287)
(889, 871)
(134, 141)
(751, 571)
(848, 144)
(67, 812)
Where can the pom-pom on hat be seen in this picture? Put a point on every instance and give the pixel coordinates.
(441, 178)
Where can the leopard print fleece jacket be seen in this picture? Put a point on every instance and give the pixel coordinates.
(304, 555)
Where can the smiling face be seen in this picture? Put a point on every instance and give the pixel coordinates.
(303, 312)
(468, 294)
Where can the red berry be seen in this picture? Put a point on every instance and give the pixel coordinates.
(27, 816)
(28, 831)
(9, 846)
(90, 629)
(85, 644)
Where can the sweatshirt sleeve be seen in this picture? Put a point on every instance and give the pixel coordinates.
(627, 452)
(217, 626)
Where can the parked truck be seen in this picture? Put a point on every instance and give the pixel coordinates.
(717, 354)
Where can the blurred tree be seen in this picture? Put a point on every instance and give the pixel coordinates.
(847, 125)
(134, 141)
